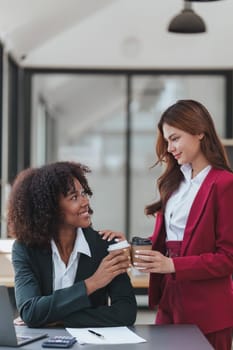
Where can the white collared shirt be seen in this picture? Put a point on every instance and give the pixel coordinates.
(64, 276)
(179, 204)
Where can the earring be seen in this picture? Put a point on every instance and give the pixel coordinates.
(201, 137)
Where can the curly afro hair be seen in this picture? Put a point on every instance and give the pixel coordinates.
(33, 207)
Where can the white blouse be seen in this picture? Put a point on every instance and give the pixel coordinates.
(64, 276)
(179, 204)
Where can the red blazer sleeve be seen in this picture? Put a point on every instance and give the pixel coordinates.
(208, 238)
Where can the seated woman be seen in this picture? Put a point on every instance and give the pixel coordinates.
(63, 271)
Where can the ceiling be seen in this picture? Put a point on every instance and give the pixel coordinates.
(119, 34)
(114, 34)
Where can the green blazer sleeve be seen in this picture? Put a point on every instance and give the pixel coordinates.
(39, 305)
(120, 312)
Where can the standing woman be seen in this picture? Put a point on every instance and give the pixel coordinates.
(191, 263)
(63, 272)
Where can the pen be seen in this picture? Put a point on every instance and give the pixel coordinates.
(95, 333)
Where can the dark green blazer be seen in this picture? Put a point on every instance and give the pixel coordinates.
(39, 305)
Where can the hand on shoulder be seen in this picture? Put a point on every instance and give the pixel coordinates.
(109, 235)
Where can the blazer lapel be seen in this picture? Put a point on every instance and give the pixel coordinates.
(85, 264)
(159, 221)
(84, 268)
(198, 207)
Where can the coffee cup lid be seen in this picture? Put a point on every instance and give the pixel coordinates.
(118, 245)
(140, 241)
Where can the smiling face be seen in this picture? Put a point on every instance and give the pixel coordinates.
(74, 208)
(184, 147)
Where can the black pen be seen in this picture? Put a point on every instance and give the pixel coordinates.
(95, 333)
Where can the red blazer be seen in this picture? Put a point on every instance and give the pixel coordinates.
(205, 266)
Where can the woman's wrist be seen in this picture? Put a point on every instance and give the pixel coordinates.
(90, 285)
(172, 266)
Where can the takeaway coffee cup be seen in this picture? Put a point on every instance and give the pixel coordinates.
(123, 245)
(139, 243)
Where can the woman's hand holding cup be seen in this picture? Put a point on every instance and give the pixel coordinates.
(139, 246)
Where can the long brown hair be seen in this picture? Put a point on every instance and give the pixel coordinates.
(192, 117)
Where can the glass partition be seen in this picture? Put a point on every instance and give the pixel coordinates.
(87, 123)
(85, 117)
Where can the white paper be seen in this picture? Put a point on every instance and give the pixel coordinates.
(112, 335)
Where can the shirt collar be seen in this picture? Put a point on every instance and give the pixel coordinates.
(187, 172)
(80, 245)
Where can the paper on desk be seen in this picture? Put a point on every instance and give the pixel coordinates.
(112, 335)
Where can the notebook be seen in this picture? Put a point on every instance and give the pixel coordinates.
(8, 334)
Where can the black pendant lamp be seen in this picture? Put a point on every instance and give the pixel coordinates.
(187, 22)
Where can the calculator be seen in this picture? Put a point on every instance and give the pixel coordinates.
(59, 341)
